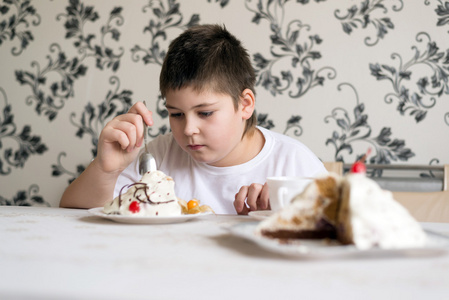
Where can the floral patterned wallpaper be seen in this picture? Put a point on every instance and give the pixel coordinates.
(341, 76)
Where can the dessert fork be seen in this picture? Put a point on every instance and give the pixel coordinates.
(147, 163)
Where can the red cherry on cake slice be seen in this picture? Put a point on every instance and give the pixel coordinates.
(358, 167)
(134, 207)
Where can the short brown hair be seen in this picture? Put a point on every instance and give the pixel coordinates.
(208, 57)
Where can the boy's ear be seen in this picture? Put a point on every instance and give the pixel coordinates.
(248, 103)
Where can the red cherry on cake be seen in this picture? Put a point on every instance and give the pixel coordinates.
(134, 207)
(358, 167)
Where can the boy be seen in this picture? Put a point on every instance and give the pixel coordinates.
(215, 152)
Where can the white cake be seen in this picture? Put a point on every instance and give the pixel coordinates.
(153, 195)
(370, 217)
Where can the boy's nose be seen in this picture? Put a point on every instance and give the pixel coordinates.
(190, 127)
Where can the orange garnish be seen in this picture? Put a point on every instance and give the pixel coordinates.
(191, 204)
(193, 207)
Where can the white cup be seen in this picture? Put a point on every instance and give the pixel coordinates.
(283, 188)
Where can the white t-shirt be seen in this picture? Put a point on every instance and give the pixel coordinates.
(217, 186)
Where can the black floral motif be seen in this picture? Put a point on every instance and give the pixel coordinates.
(93, 120)
(430, 173)
(10, 28)
(442, 11)
(58, 169)
(307, 1)
(293, 124)
(161, 130)
(263, 121)
(27, 144)
(25, 198)
(50, 98)
(168, 17)
(363, 16)
(223, 3)
(77, 15)
(359, 131)
(163, 113)
(434, 85)
(287, 46)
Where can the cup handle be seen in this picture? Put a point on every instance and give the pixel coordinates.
(282, 193)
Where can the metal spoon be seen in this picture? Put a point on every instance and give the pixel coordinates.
(147, 163)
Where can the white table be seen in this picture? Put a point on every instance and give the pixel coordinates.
(53, 253)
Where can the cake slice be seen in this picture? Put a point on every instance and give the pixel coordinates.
(153, 195)
(352, 209)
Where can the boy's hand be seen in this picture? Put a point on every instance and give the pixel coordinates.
(256, 196)
(121, 139)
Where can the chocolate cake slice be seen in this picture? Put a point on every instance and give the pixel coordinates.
(311, 214)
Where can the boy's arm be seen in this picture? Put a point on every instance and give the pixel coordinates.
(118, 146)
(93, 188)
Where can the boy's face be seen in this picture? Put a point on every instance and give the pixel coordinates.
(207, 126)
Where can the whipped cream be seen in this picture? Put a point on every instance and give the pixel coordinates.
(153, 195)
(376, 219)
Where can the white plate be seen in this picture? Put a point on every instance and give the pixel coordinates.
(98, 211)
(260, 214)
(436, 245)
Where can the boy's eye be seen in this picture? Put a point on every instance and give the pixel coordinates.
(206, 113)
(203, 114)
(175, 115)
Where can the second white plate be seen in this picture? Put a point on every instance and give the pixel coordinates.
(436, 245)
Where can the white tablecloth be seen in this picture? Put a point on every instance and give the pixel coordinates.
(53, 253)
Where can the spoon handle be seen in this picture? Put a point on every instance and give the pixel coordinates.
(145, 131)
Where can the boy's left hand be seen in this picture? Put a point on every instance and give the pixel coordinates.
(251, 198)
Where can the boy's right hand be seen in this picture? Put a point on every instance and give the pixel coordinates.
(121, 139)
(251, 198)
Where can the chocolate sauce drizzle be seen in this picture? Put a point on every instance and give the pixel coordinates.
(140, 186)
